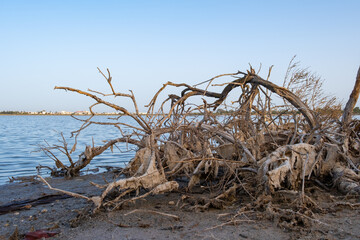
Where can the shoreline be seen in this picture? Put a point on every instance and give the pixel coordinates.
(151, 218)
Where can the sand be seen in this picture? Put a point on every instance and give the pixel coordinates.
(147, 219)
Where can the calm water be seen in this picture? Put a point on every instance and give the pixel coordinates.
(20, 135)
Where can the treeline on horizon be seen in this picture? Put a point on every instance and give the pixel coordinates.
(356, 111)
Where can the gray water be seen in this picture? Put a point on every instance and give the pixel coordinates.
(20, 135)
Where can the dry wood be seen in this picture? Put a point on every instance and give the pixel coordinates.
(287, 146)
(346, 118)
(153, 212)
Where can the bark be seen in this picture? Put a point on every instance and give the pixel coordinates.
(346, 118)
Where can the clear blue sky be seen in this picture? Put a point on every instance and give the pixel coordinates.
(146, 43)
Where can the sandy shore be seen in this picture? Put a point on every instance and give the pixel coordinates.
(147, 219)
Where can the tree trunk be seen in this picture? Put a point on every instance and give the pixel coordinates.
(346, 118)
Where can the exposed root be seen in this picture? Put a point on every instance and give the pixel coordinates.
(285, 166)
(254, 146)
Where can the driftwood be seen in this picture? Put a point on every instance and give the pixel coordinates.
(29, 203)
(255, 140)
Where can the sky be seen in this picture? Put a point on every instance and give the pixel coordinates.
(44, 44)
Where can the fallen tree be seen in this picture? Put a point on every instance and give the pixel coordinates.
(259, 148)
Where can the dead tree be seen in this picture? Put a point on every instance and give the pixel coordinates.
(279, 147)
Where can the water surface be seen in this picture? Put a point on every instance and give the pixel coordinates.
(20, 135)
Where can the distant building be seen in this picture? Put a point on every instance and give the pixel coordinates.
(65, 112)
(83, 112)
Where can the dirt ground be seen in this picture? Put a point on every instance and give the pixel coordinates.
(163, 216)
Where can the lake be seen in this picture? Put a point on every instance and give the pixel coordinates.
(20, 135)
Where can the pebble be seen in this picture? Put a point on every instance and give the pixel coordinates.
(171, 203)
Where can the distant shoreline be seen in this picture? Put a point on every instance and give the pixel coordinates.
(5, 113)
(101, 114)
(28, 114)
